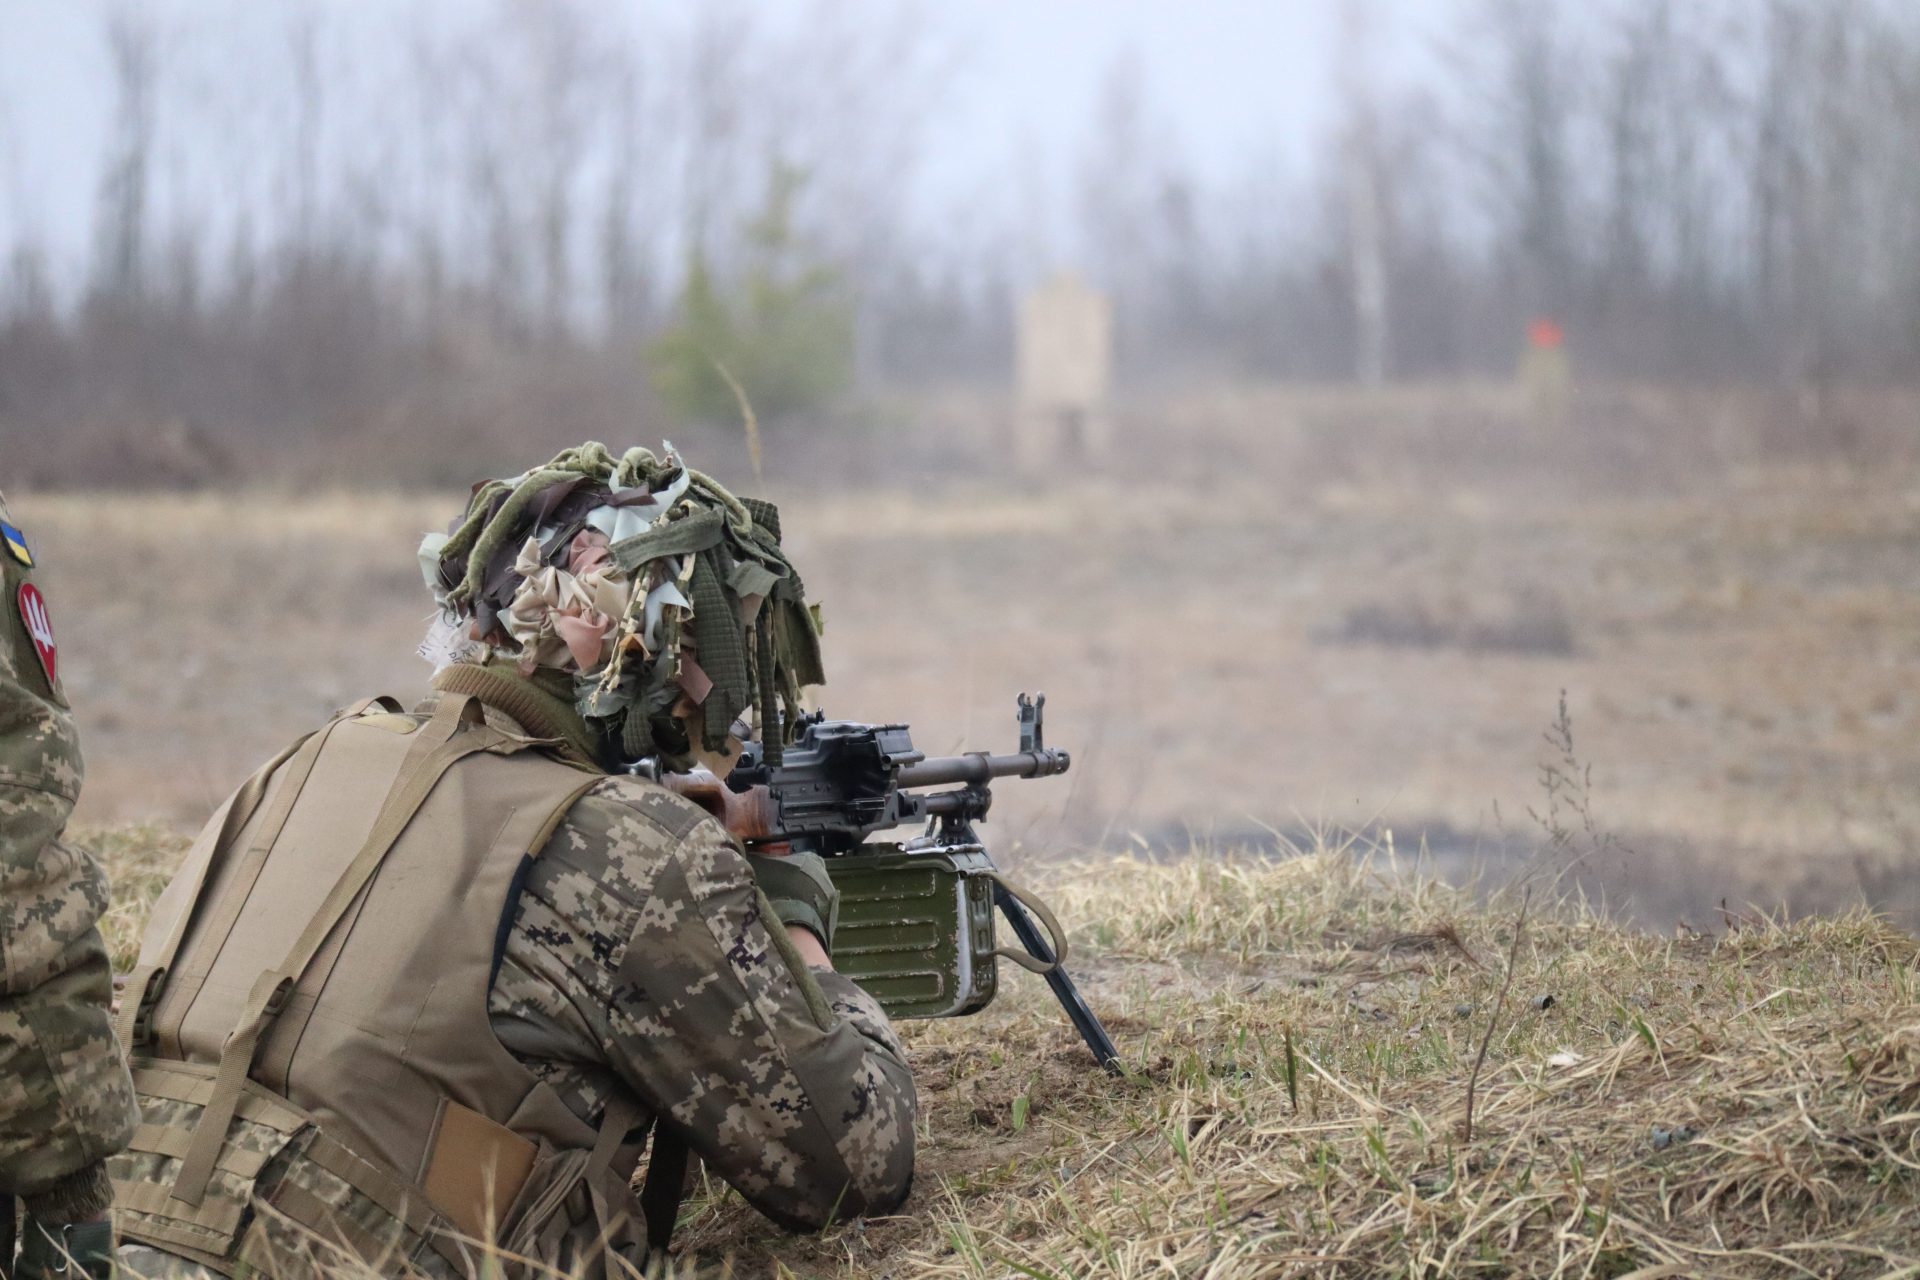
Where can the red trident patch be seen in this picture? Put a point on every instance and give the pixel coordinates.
(33, 611)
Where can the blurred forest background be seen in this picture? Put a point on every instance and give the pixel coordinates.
(314, 224)
(1351, 536)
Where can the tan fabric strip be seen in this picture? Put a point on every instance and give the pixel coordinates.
(409, 1204)
(210, 1134)
(169, 1080)
(196, 1244)
(275, 1064)
(221, 1216)
(325, 1221)
(613, 1218)
(163, 1140)
(185, 1086)
(433, 751)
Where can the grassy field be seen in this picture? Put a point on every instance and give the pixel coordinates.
(1225, 659)
(1301, 1035)
(1662, 665)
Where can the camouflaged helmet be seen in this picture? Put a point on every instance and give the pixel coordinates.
(666, 599)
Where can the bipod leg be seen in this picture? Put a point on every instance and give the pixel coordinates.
(1084, 1019)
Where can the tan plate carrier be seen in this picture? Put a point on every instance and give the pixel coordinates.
(308, 1022)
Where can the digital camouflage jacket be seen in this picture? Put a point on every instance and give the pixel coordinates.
(644, 961)
(66, 1101)
(640, 962)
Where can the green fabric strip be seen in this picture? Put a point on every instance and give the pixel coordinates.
(693, 533)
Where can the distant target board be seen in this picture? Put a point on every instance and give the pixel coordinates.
(1063, 399)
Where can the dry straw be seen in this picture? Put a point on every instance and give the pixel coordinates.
(1301, 1032)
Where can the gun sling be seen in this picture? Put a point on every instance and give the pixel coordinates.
(666, 1183)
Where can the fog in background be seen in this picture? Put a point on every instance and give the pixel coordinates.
(266, 225)
(1481, 370)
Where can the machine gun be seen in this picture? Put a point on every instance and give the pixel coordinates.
(916, 926)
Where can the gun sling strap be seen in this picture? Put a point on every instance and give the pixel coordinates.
(666, 1181)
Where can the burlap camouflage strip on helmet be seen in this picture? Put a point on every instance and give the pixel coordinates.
(734, 553)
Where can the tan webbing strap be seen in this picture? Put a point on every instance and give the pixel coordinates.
(222, 1217)
(384, 701)
(432, 752)
(163, 1140)
(193, 1243)
(332, 1227)
(399, 1201)
(196, 1244)
(616, 1122)
(195, 1086)
(405, 1204)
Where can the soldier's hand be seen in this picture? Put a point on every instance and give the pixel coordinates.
(808, 945)
(61, 1252)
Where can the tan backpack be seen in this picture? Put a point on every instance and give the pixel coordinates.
(309, 1030)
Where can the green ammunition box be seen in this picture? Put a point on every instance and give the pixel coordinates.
(916, 927)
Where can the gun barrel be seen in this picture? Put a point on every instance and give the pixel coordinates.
(979, 767)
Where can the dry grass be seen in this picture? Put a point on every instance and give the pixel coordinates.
(1738, 660)
(1299, 1033)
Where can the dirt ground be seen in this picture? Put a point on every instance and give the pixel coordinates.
(1233, 653)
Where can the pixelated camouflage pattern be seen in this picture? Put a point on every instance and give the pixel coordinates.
(642, 957)
(65, 1099)
(283, 1248)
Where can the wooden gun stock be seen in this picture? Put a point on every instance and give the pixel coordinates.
(748, 814)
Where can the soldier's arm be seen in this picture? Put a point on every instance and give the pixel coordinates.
(65, 1100)
(789, 1083)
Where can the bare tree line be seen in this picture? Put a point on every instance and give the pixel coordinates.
(492, 216)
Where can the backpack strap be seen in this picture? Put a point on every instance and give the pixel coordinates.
(437, 745)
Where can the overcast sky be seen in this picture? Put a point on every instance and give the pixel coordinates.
(1228, 78)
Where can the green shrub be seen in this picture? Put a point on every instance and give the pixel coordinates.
(783, 327)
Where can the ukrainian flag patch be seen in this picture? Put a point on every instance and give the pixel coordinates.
(16, 544)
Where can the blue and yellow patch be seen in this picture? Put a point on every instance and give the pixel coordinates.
(16, 544)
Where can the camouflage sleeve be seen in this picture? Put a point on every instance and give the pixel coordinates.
(792, 1087)
(65, 1099)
